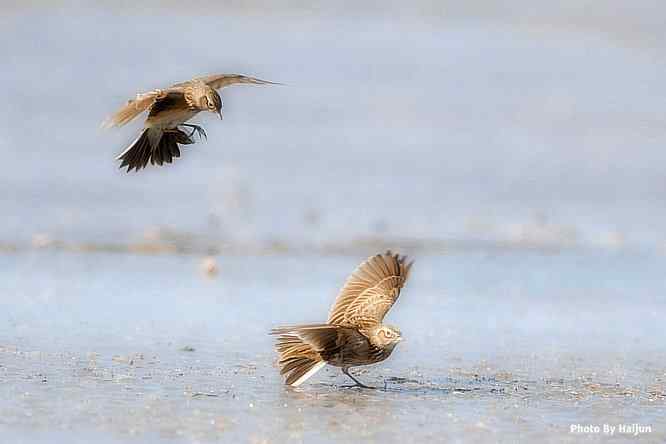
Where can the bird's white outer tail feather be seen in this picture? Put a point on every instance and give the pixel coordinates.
(154, 135)
(318, 366)
(131, 145)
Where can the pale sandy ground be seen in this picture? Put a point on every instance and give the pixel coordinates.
(501, 347)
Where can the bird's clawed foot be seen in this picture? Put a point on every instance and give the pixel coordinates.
(357, 382)
(196, 129)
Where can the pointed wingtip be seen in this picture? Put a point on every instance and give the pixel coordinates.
(266, 82)
(257, 81)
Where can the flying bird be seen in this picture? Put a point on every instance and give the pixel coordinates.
(168, 110)
(354, 334)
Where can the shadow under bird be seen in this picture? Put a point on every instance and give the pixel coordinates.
(354, 334)
(168, 110)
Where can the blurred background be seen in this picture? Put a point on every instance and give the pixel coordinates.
(534, 123)
(516, 150)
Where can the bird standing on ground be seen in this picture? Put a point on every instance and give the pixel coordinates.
(354, 334)
(168, 109)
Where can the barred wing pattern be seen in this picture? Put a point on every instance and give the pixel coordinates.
(370, 291)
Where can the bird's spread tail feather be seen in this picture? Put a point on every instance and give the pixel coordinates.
(312, 369)
(153, 146)
(298, 347)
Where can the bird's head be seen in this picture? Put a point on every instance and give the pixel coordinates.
(386, 336)
(212, 102)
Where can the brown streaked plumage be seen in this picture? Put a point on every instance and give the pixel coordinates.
(354, 334)
(169, 108)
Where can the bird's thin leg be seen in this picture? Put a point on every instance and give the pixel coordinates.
(358, 383)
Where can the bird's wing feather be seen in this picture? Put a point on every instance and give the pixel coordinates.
(170, 100)
(134, 107)
(370, 291)
(318, 336)
(218, 81)
(144, 101)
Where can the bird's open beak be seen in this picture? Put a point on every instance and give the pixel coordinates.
(219, 113)
(399, 338)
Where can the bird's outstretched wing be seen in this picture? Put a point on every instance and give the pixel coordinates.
(144, 101)
(370, 291)
(218, 81)
(134, 107)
